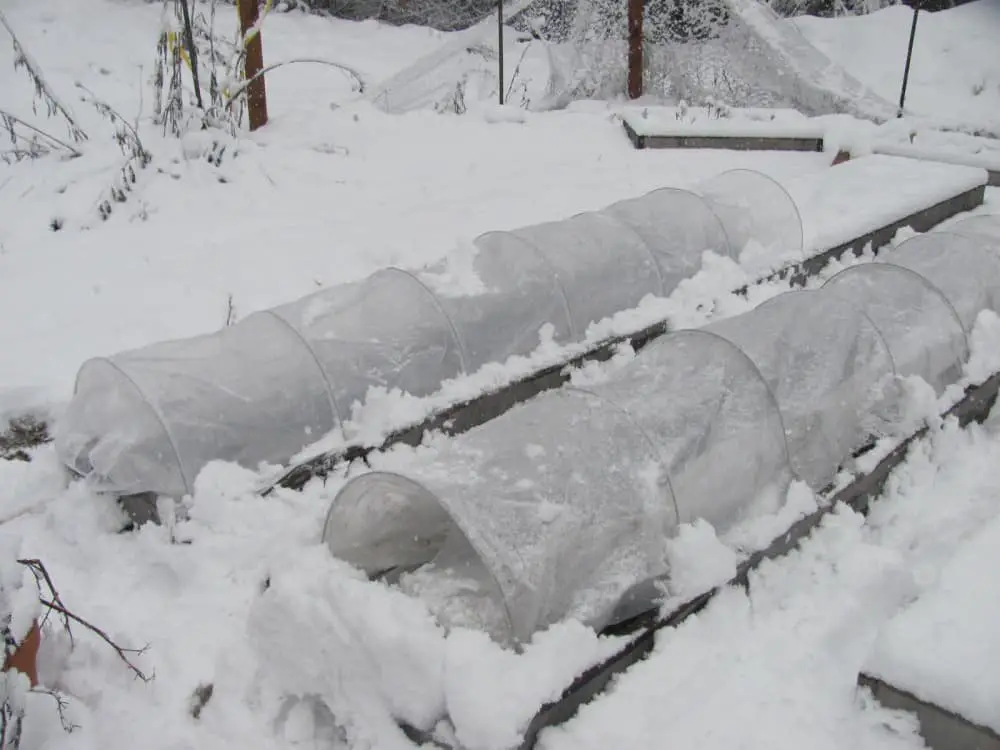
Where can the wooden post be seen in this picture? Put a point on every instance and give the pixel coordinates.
(253, 64)
(635, 13)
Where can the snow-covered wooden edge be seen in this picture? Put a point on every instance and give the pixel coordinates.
(748, 136)
(939, 656)
(741, 129)
(990, 162)
(941, 729)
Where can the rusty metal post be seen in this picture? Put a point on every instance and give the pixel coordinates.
(635, 14)
(253, 63)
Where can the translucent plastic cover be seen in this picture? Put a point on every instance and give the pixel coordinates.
(754, 208)
(150, 419)
(964, 268)
(713, 420)
(919, 326)
(514, 509)
(500, 299)
(827, 366)
(985, 227)
(602, 265)
(678, 227)
(387, 331)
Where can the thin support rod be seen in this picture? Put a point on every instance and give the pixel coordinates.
(500, 48)
(909, 56)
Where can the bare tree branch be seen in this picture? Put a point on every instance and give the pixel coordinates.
(122, 652)
(38, 569)
(61, 705)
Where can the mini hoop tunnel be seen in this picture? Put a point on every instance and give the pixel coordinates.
(150, 419)
(559, 526)
(277, 381)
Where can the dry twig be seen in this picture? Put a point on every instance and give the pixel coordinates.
(38, 569)
(122, 652)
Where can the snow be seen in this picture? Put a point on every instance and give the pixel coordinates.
(955, 71)
(235, 591)
(989, 160)
(943, 648)
(873, 191)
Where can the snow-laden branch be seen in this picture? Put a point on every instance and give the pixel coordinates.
(42, 89)
(10, 120)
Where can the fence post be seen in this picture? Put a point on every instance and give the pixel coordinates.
(909, 56)
(635, 13)
(253, 63)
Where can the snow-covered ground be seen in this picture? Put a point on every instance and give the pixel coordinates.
(241, 596)
(955, 71)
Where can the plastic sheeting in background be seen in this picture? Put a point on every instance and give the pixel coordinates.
(515, 508)
(396, 330)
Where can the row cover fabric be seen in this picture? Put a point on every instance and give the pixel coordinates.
(563, 505)
(265, 388)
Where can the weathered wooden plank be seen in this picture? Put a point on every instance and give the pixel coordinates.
(941, 729)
